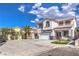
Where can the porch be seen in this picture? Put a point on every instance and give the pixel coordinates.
(64, 33)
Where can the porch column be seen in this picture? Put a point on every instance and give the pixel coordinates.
(62, 34)
(53, 34)
(70, 33)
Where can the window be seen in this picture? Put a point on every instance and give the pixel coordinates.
(60, 23)
(67, 22)
(47, 24)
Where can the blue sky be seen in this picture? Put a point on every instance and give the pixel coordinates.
(22, 14)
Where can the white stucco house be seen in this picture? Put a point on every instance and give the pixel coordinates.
(56, 28)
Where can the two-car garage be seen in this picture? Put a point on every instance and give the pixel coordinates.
(44, 36)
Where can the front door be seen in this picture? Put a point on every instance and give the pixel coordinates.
(58, 35)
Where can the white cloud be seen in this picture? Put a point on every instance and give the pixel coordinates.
(71, 13)
(66, 6)
(36, 19)
(54, 12)
(60, 14)
(42, 12)
(37, 5)
(69, 7)
(53, 8)
(39, 12)
(22, 8)
(33, 12)
(39, 16)
(42, 8)
(32, 21)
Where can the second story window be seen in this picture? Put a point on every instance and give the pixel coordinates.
(47, 24)
(60, 23)
(67, 22)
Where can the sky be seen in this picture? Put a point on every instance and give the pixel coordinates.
(21, 14)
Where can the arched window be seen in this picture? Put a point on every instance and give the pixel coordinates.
(47, 24)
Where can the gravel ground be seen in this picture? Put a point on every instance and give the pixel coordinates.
(61, 51)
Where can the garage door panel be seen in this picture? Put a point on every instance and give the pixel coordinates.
(44, 37)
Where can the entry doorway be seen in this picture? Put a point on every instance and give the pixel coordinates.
(58, 35)
(63, 33)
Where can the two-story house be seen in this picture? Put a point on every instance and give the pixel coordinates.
(56, 29)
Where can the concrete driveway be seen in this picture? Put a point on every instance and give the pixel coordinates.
(22, 48)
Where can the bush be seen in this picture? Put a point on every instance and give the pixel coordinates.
(60, 42)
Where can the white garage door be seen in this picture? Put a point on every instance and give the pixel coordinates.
(44, 37)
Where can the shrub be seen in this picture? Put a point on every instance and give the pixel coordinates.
(60, 42)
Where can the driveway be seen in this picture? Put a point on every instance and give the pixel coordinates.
(22, 48)
(61, 51)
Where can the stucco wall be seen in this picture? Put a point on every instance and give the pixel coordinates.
(74, 25)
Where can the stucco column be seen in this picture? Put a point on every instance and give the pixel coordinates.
(73, 33)
(62, 34)
(53, 34)
(70, 33)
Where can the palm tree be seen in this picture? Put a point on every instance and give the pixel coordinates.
(17, 33)
(27, 30)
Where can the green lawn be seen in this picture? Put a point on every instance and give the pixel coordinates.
(60, 42)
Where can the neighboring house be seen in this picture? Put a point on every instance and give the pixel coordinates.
(57, 29)
(35, 33)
